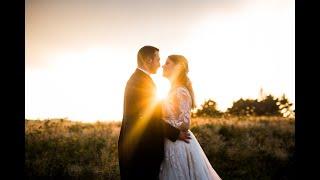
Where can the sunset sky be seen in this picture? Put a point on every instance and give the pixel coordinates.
(79, 54)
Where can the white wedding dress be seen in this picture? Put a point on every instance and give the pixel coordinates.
(183, 161)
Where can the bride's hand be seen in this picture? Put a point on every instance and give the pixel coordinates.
(184, 136)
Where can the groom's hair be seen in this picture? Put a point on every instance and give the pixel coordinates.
(144, 53)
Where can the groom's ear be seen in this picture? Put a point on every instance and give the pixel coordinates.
(148, 60)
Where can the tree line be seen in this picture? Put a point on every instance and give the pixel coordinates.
(265, 106)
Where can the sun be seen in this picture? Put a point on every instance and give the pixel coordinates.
(163, 86)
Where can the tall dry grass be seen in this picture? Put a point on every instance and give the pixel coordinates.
(237, 147)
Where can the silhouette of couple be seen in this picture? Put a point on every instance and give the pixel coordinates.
(155, 141)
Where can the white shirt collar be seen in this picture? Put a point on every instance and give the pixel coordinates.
(144, 71)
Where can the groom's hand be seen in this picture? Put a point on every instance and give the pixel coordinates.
(184, 136)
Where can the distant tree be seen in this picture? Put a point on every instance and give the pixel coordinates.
(269, 106)
(243, 107)
(208, 108)
(285, 106)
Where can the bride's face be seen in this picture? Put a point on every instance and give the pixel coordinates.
(168, 68)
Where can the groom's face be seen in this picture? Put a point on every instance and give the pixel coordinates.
(154, 63)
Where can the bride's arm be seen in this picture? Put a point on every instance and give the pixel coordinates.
(170, 131)
(184, 108)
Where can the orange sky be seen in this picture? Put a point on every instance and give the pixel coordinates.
(79, 54)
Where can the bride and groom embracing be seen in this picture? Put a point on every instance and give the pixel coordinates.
(155, 141)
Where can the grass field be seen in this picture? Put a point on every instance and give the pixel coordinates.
(247, 148)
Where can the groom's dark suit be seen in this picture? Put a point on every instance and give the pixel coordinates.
(141, 141)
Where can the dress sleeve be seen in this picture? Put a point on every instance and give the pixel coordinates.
(184, 108)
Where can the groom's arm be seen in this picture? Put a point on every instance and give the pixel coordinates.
(174, 134)
(170, 132)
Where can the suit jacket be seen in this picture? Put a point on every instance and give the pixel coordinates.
(141, 140)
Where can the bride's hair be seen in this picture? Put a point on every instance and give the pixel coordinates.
(181, 78)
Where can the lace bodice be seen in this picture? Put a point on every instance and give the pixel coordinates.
(177, 107)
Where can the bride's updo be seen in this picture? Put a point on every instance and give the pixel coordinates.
(181, 78)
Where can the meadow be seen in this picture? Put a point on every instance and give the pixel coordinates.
(245, 147)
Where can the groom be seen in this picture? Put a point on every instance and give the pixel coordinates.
(141, 140)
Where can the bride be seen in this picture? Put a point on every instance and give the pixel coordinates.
(182, 161)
